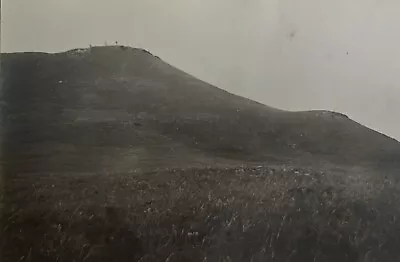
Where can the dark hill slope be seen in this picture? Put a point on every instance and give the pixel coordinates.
(89, 138)
(110, 107)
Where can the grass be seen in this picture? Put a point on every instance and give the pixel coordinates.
(126, 118)
(233, 214)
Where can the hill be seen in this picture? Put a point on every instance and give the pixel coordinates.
(108, 101)
(111, 154)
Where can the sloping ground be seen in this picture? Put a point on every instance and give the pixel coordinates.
(110, 154)
(108, 101)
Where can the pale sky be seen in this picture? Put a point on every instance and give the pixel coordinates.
(337, 55)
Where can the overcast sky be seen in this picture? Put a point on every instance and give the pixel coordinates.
(311, 54)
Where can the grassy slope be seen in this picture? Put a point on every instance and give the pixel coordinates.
(118, 88)
(123, 156)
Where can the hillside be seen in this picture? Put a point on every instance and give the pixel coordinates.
(111, 154)
(110, 101)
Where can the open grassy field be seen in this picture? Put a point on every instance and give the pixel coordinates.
(202, 214)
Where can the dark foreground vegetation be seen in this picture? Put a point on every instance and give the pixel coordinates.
(231, 214)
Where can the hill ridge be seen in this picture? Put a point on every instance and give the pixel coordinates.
(78, 90)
